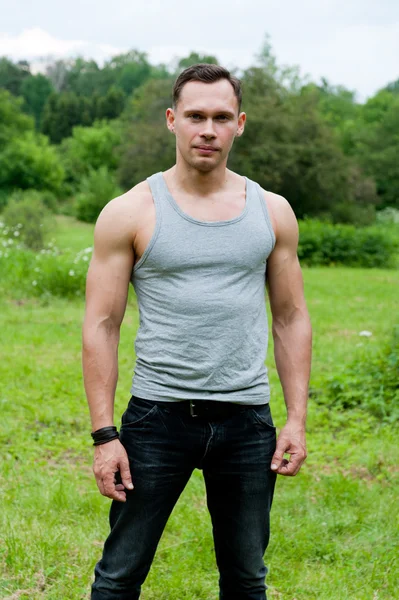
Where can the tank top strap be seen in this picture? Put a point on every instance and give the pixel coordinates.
(257, 206)
(157, 187)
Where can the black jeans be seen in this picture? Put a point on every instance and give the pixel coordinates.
(165, 444)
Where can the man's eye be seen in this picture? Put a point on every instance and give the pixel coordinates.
(221, 118)
(195, 117)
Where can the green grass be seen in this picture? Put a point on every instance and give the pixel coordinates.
(334, 526)
(70, 234)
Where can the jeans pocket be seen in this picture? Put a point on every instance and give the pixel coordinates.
(263, 416)
(138, 411)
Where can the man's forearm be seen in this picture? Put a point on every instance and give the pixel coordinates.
(100, 371)
(292, 351)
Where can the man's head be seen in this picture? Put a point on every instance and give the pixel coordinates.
(206, 116)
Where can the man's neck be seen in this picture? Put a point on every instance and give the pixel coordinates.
(198, 183)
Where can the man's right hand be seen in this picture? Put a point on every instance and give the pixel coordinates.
(110, 458)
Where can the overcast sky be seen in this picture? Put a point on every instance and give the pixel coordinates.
(351, 42)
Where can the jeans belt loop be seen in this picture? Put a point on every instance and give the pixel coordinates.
(192, 409)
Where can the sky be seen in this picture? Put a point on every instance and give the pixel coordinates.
(354, 43)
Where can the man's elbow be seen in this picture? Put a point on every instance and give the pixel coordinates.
(291, 316)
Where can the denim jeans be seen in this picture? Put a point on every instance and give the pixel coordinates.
(164, 445)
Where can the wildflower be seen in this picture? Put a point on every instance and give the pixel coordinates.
(16, 233)
(37, 269)
(71, 272)
(34, 282)
(85, 258)
(365, 333)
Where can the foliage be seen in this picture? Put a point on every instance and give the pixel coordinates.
(29, 161)
(49, 272)
(27, 219)
(62, 112)
(96, 189)
(377, 144)
(35, 90)
(12, 75)
(111, 105)
(369, 382)
(195, 58)
(90, 148)
(321, 243)
(13, 122)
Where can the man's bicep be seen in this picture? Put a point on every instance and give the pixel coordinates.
(284, 276)
(109, 273)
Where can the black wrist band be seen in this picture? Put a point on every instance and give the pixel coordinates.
(104, 435)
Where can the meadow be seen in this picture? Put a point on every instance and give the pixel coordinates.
(335, 527)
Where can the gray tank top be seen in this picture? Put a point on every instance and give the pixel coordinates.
(200, 288)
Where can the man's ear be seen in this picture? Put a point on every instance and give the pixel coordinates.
(242, 117)
(170, 119)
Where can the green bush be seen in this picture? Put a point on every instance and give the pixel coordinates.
(322, 243)
(95, 191)
(89, 148)
(369, 382)
(29, 162)
(28, 216)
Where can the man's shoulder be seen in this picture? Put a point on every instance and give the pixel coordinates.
(122, 217)
(129, 203)
(278, 208)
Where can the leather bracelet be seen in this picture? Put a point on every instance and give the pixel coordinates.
(104, 435)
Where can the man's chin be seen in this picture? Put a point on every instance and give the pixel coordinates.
(204, 165)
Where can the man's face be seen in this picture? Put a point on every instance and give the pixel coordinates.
(205, 122)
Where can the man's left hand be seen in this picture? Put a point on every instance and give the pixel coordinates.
(290, 441)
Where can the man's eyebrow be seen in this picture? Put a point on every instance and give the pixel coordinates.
(201, 112)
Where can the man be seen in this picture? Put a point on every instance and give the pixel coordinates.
(195, 241)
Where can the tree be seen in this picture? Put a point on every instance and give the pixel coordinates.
(90, 148)
(195, 58)
(64, 111)
(57, 72)
(13, 122)
(377, 144)
(35, 90)
(111, 105)
(12, 75)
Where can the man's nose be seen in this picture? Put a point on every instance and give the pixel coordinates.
(208, 129)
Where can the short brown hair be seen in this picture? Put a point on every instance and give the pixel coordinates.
(207, 73)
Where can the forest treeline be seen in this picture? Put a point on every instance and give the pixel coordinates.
(84, 132)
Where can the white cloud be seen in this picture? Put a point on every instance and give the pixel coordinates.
(35, 43)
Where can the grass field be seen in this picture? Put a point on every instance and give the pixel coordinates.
(335, 527)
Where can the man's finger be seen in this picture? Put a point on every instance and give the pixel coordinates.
(125, 474)
(112, 491)
(278, 458)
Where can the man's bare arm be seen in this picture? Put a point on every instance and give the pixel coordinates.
(106, 297)
(292, 336)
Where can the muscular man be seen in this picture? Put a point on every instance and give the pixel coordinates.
(198, 242)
